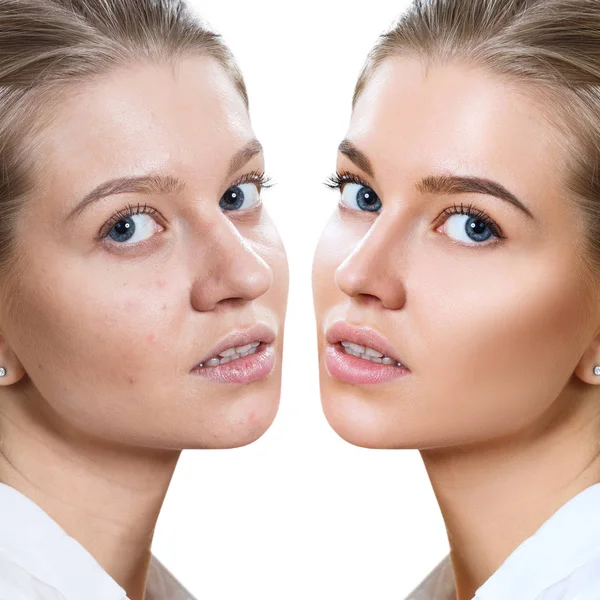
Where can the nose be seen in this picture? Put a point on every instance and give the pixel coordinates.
(372, 271)
(230, 271)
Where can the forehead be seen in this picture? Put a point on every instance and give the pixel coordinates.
(455, 117)
(145, 117)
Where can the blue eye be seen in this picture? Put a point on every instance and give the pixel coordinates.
(132, 224)
(470, 226)
(240, 197)
(360, 197)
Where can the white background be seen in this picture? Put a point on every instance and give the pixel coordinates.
(300, 513)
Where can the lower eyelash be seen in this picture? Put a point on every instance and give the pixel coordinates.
(475, 213)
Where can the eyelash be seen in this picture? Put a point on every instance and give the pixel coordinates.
(337, 181)
(257, 177)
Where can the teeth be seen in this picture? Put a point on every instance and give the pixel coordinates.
(231, 354)
(367, 353)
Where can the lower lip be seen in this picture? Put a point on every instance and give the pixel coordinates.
(242, 370)
(352, 369)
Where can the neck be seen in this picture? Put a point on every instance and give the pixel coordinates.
(496, 494)
(105, 495)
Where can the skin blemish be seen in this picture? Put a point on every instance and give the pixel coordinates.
(151, 337)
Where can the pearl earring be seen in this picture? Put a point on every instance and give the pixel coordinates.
(597, 370)
(2, 371)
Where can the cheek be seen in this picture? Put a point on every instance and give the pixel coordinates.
(267, 243)
(336, 243)
(90, 335)
(497, 348)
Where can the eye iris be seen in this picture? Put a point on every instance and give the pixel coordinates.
(233, 198)
(367, 199)
(124, 229)
(477, 230)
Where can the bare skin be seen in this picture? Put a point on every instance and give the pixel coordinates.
(500, 335)
(100, 337)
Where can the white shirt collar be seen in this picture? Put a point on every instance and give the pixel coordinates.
(35, 542)
(569, 539)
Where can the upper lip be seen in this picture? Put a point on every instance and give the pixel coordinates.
(241, 337)
(364, 336)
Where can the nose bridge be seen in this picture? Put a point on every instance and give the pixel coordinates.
(228, 267)
(373, 267)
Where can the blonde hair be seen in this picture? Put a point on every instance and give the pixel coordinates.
(47, 45)
(552, 45)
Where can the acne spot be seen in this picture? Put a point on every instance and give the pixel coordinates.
(131, 379)
(252, 417)
(164, 307)
(160, 283)
(151, 337)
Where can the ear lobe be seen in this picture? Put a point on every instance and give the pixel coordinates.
(10, 365)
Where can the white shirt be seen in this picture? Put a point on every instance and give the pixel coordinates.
(560, 561)
(40, 561)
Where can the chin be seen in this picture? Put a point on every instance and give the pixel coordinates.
(248, 420)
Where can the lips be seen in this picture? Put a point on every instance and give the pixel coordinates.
(258, 332)
(364, 336)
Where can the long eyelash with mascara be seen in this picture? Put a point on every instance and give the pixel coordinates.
(474, 213)
(257, 177)
(337, 180)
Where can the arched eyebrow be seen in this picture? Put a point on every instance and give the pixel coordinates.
(358, 157)
(459, 184)
(442, 184)
(156, 183)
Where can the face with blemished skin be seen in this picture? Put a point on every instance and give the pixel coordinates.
(105, 326)
(491, 311)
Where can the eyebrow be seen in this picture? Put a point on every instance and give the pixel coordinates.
(456, 184)
(359, 158)
(442, 184)
(156, 183)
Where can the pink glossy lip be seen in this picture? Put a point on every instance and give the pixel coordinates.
(248, 368)
(352, 369)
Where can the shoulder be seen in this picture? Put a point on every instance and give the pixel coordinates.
(582, 584)
(16, 583)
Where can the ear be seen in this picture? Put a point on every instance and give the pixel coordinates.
(12, 366)
(588, 362)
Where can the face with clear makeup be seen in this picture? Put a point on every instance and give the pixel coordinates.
(144, 245)
(455, 252)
